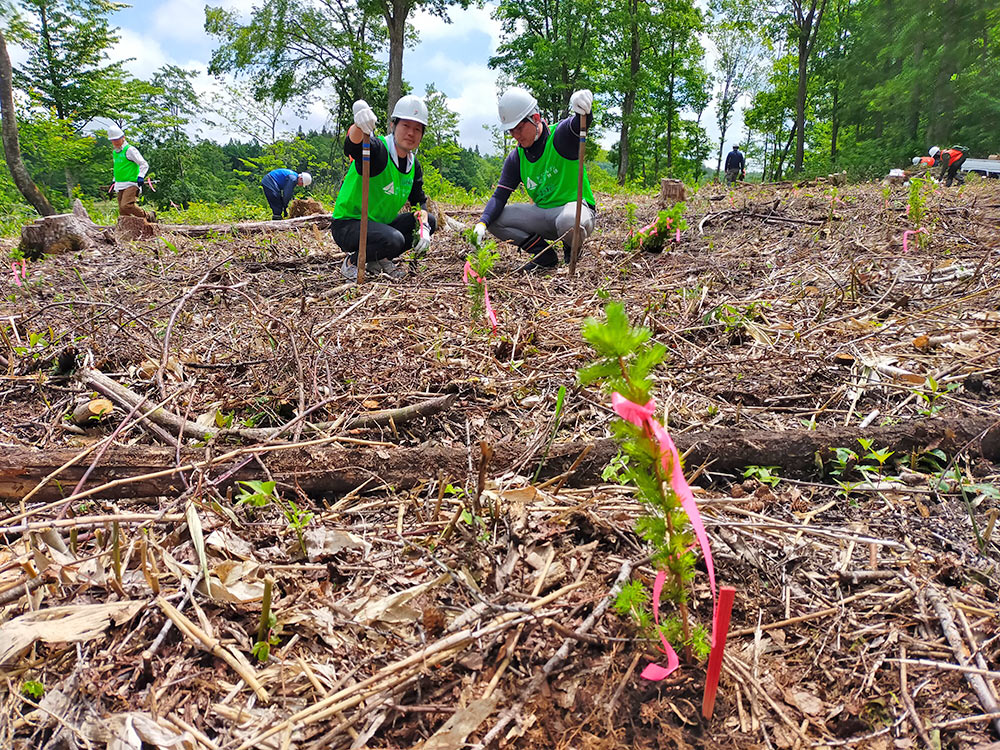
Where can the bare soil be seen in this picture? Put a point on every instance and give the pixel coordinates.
(464, 602)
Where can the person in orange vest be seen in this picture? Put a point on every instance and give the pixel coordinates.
(951, 160)
(924, 161)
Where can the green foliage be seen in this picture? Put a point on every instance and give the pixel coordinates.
(256, 493)
(481, 259)
(625, 365)
(932, 393)
(632, 602)
(763, 474)
(297, 520)
(669, 221)
(32, 689)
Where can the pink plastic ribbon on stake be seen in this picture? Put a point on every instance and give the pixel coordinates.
(490, 313)
(642, 416)
(20, 272)
(906, 237)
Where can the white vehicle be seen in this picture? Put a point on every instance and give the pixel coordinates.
(985, 167)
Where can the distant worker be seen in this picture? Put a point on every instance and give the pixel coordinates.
(395, 178)
(130, 175)
(547, 162)
(951, 160)
(279, 186)
(735, 165)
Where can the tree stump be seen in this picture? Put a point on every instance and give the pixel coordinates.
(135, 228)
(62, 233)
(671, 191)
(305, 207)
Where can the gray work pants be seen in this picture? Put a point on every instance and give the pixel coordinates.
(518, 221)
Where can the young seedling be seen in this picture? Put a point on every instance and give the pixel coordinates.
(478, 267)
(298, 520)
(764, 474)
(654, 238)
(626, 361)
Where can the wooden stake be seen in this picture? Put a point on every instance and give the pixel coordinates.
(366, 161)
(577, 234)
(719, 633)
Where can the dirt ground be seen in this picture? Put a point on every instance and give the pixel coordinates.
(426, 594)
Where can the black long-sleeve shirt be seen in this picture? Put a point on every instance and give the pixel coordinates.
(380, 160)
(567, 144)
(735, 160)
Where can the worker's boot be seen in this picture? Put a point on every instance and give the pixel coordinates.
(568, 251)
(544, 256)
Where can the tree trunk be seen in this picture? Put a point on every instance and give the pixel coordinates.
(628, 105)
(670, 109)
(834, 122)
(11, 146)
(396, 12)
(800, 101)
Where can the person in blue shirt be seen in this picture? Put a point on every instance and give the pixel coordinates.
(279, 186)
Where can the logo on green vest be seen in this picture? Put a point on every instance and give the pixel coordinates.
(530, 184)
(390, 189)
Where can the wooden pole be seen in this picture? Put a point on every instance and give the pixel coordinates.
(366, 161)
(577, 234)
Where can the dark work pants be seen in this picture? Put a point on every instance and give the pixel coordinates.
(385, 241)
(276, 201)
(953, 172)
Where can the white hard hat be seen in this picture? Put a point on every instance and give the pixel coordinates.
(933, 150)
(306, 179)
(916, 159)
(410, 107)
(114, 133)
(514, 106)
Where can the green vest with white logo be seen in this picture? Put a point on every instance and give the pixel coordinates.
(387, 192)
(551, 181)
(125, 170)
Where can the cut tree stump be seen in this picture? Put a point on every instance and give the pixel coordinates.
(91, 412)
(304, 207)
(135, 228)
(63, 233)
(321, 469)
(671, 192)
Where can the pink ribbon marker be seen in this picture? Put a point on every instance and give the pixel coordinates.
(906, 237)
(490, 314)
(20, 273)
(642, 416)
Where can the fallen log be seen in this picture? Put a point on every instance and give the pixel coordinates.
(334, 469)
(76, 231)
(320, 221)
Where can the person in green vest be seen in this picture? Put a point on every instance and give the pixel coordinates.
(395, 178)
(130, 175)
(546, 161)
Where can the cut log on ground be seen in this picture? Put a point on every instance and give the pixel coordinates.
(334, 469)
(76, 231)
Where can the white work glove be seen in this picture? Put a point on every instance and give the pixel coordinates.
(480, 231)
(425, 240)
(364, 116)
(582, 102)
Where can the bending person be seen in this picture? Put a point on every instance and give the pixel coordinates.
(279, 187)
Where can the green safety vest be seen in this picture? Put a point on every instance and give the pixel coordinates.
(551, 181)
(387, 192)
(125, 170)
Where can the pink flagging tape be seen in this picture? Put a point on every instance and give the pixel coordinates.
(20, 272)
(906, 237)
(720, 629)
(642, 416)
(654, 672)
(490, 313)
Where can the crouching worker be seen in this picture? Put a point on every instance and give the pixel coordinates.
(951, 160)
(547, 162)
(395, 177)
(279, 186)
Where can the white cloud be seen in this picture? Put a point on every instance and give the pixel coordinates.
(185, 19)
(147, 53)
(464, 23)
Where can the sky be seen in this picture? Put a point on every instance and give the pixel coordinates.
(454, 57)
